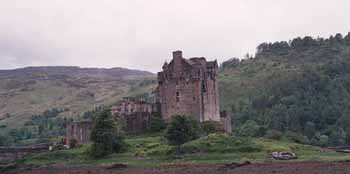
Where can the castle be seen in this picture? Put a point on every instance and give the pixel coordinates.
(185, 87)
(189, 87)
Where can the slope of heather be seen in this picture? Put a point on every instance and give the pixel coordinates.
(33, 90)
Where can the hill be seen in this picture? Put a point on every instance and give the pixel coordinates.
(33, 90)
(300, 86)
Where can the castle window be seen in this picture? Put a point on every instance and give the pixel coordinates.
(177, 96)
(204, 89)
(194, 98)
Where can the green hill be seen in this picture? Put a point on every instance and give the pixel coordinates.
(300, 86)
(33, 90)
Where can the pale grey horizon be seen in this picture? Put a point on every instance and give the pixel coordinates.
(141, 34)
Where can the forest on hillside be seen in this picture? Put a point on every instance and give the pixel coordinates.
(298, 89)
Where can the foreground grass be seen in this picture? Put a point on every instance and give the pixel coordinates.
(153, 151)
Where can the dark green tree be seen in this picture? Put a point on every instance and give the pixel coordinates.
(157, 123)
(182, 129)
(106, 135)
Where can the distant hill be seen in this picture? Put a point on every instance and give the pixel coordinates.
(301, 86)
(33, 90)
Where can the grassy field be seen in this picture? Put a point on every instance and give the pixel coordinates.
(153, 151)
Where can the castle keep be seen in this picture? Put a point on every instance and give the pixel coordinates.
(189, 87)
(185, 87)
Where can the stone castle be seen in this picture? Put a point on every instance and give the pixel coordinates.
(185, 87)
(189, 87)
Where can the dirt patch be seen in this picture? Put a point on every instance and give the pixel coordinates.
(340, 167)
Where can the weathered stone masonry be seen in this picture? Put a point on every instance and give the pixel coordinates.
(79, 131)
(189, 87)
(135, 114)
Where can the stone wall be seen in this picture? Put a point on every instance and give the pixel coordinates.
(226, 121)
(138, 122)
(135, 115)
(11, 154)
(79, 131)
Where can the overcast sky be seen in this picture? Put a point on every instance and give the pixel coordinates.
(141, 34)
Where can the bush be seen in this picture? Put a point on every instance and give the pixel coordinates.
(209, 127)
(182, 129)
(106, 136)
(274, 134)
(320, 140)
(249, 129)
(337, 136)
(295, 137)
(73, 143)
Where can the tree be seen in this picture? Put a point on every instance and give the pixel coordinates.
(181, 130)
(157, 123)
(106, 135)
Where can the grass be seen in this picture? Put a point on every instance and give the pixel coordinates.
(153, 151)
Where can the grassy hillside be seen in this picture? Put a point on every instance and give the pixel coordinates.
(301, 86)
(153, 151)
(33, 90)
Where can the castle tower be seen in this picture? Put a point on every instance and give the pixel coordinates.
(189, 87)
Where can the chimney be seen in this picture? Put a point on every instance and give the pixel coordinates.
(177, 56)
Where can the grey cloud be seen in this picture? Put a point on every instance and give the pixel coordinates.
(142, 33)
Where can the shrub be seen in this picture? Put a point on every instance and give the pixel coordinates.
(209, 127)
(274, 134)
(181, 130)
(320, 140)
(249, 129)
(337, 136)
(73, 143)
(106, 136)
(295, 137)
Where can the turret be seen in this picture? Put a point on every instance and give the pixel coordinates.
(177, 56)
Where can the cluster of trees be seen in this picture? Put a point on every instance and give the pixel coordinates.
(39, 129)
(302, 44)
(298, 89)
